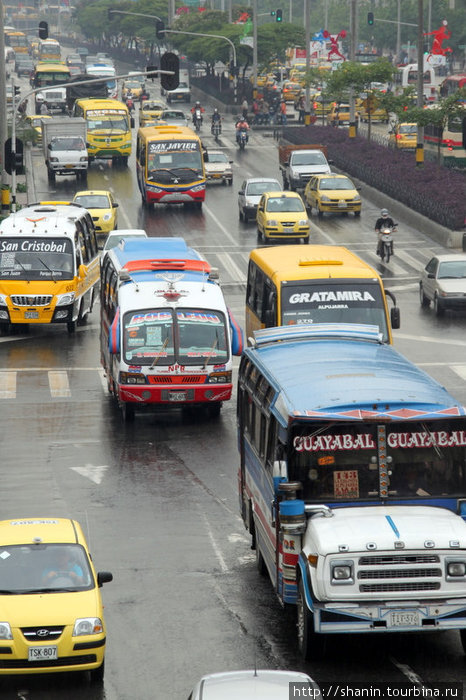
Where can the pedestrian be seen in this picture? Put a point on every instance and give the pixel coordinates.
(44, 109)
(301, 109)
(244, 108)
(282, 112)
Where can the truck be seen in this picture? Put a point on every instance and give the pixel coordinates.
(298, 162)
(183, 92)
(86, 90)
(65, 148)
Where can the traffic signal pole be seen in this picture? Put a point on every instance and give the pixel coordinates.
(3, 107)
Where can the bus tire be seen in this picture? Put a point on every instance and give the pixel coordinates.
(71, 326)
(127, 410)
(320, 213)
(463, 639)
(213, 410)
(260, 563)
(50, 175)
(124, 161)
(311, 645)
(198, 205)
(357, 213)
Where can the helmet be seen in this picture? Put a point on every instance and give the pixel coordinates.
(198, 103)
(384, 213)
(215, 110)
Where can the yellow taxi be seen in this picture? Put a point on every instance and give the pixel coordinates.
(135, 86)
(282, 215)
(261, 79)
(291, 91)
(102, 208)
(320, 105)
(150, 110)
(369, 104)
(339, 113)
(403, 135)
(34, 121)
(332, 192)
(52, 614)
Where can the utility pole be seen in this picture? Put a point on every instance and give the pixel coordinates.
(307, 26)
(398, 33)
(254, 48)
(3, 107)
(353, 32)
(420, 80)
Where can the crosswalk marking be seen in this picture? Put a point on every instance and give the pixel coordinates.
(59, 384)
(7, 385)
(460, 370)
(103, 380)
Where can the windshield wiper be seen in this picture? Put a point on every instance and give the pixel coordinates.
(47, 268)
(209, 356)
(157, 357)
(51, 590)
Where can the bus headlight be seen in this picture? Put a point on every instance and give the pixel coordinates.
(65, 299)
(132, 378)
(324, 198)
(341, 572)
(3, 300)
(87, 625)
(198, 188)
(456, 569)
(220, 378)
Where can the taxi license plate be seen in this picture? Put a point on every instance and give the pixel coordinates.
(48, 653)
(404, 619)
(177, 396)
(31, 314)
(342, 204)
(287, 229)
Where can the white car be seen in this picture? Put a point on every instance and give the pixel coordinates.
(114, 237)
(218, 167)
(443, 281)
(174, 117)
(260, 685)
(250, 193)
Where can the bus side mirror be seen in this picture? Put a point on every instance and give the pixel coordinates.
(132, 122)
(269, 318)
(395, 317)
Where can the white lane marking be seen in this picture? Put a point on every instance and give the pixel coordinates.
(232, 267)
(460, 370)
(430, 339)
(409, 260)
(59, 385)
(94, 473)
(103, 380)
(407, 671)
(215, 546)
(219, 223)
(7, 385)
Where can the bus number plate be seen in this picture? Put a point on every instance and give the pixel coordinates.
(42, 653)
(177, 396)
(31, 314)
(404, 619)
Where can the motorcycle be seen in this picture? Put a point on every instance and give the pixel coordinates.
(197, 119)
(385, 248)
(130, 103)
(216, 129)
(242, 138)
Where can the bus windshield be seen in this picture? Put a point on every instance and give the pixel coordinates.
(164, 336)
(172, 156)
(339, 462)
(34, 258)
(47, 78)
(116, 122)
(323, 301)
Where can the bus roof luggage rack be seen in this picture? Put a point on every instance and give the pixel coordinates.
(349, 331)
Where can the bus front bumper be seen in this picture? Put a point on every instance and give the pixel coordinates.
(39, 314)
(174, 393)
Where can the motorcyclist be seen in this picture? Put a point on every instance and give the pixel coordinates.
(216, 118)
(196, 107)
(384, 221)
(241, 125)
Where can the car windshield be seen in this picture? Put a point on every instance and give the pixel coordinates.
(256, 188)
(152, 107)
(308, 158)
(218, 158)
(71, 143)
(408, 129)
(284, 204)
(113, 241)
(336, 183)
(454, 269)
(93, 201)
(44, 568)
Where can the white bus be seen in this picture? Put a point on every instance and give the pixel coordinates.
(96, 70)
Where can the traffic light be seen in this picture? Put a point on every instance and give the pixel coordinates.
(14, 161)
(43, 30)
(272, 13)
(279, 15)
(160, 29)
(370, 18)
(170, 61)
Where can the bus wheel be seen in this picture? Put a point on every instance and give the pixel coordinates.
(50, 175)
(311, 645)
(128, 412)
(463, 639)
(71, 326)
(198, 205)
(213, 410)
(260, 563)
(124, 161)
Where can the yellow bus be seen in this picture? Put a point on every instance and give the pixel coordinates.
(49, 265)
(48, 76)
(170, 165)
(108, 128)
(49, 50)
(289, 285)
(17, 40)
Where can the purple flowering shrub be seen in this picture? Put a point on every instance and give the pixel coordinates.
(432, 190)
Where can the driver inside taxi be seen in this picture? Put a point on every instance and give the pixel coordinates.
(63, 567)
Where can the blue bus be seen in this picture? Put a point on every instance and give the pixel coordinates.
(352, 483)
(166, 336)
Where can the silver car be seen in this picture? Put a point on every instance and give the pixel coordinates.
(443, 281)
(218, 167)
(174, 117)
(250, 194)
(260, 685)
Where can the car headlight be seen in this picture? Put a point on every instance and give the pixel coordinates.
(83, 159)
(456, 569)
(65, 299)
(272, 222)
(325, 198)
(106, 217)
(341, 572)
(3, 298)
(87, 625)
(5, 630)
(303, 222)
(357, 198)
(53, 160)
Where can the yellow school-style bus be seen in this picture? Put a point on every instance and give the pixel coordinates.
(17, 40)
(170, 165)
(108, 128)
(49, 265)
(289, 285)
(49, 50)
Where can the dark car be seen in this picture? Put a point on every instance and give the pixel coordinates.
(24, 65)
